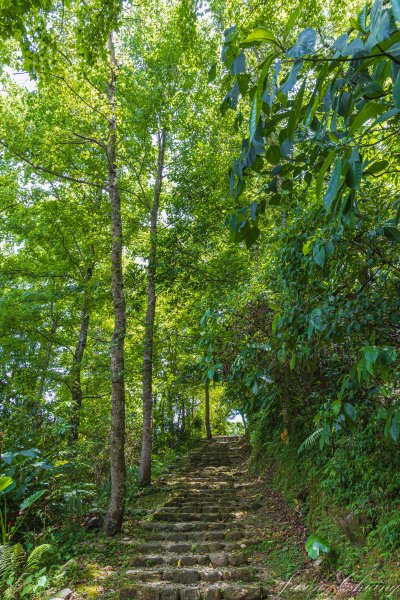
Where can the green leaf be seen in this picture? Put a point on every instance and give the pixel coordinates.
(27, 503)
(320, 178)
(368, 111)
(260, 35)
(290, 82)
(5, 482)
(353, 175)
(316, 544)
(379, 24)
(305, 44)
(273, 155)
(362, 18)
(292, 20)
(239, 64)
(376, 167)
(295, 113)
(212, 73)
(307, 247)
(255, 113)
(392, 233)
(243, 80)
(252, 236)
(336, 407)
(396, 9)
(333, 185)
(394, 429)
(350, 411)
(319, 255)
(396, 91)
(370, 356)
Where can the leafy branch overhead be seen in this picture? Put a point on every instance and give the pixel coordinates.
(322, 115)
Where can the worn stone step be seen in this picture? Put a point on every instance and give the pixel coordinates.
(193, 508)
(199, 506)
(165, 545)
(186, 516)
(231, 535)
(192, 576)
(188, 526)
(220, 559)
(191, 536)
(208, 496)
(198, 592)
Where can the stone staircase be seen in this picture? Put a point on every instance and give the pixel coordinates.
(193, 547)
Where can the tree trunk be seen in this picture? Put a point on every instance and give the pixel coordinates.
(115, 513)
(207, 409)
(49, 347)
(76, 387)
(147, 366)
(183, 416)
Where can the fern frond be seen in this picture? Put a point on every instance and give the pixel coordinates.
(19, 556)
(310, 441)
(6, 559)
(38, 557)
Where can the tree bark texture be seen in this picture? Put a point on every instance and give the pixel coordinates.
(147, 365)
(115, 513)
(76, 369)
(207, 409)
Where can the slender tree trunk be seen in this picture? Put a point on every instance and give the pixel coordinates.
(76, 387)
(113, 521)
(183, 417)
(207, 409)
(147, 366)
(49, 346)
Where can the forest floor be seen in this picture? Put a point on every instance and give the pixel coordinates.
(209, 530)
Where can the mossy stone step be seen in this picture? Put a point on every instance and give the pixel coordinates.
(189, 526)
(186, 516)
(220, 559)
(194, 575)
(193, 547)
(212, 592)
(203, 503)
(191, 536)
(165, 545)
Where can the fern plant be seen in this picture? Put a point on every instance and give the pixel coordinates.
(310, 441)
(22, 575)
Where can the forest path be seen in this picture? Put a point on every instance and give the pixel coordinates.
(210, 529)
(214, 537)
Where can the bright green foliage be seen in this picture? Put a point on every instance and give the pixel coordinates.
(315, 545)
(278, 284)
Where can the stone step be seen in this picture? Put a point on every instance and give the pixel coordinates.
(185, 526)
(193, 508)
(206, 495)
(205, 485)
(220, 559)
(196, 507)
(198, 592)
(196, 536)
(165, 545)
(205, 480)
(186, 516)
(193, 549)
(194, 575)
